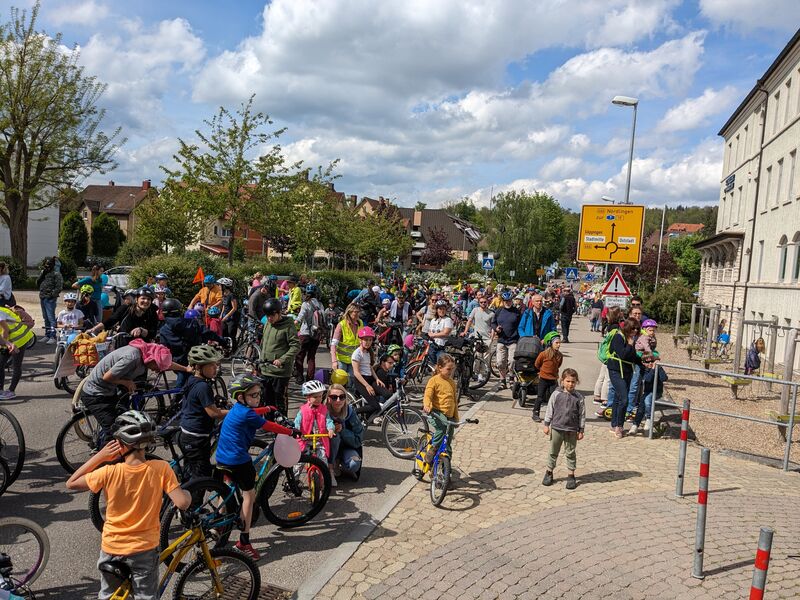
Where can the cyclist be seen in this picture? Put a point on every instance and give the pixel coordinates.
(366, 383)
(181, 332)
(311, 320)
(163, 281)
(400, 310)
(313, 418)
(209, 295)
(70, 317)
(94, 281)
(440, 403)
(139, 320)
(230, 309)
(279, 347)
(295, 296)
(87, 306)
(235, 438)
(439, 330)
(133, 490)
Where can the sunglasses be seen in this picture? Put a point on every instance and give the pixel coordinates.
(336, 396)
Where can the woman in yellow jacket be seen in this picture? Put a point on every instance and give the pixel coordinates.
(440, 402)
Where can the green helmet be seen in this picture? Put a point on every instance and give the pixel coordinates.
(86, 289)
(204, 354)
(242, 383)
(393, 348)
(548, 339)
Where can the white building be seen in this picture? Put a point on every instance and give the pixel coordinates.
(753, 261)
(42, 235)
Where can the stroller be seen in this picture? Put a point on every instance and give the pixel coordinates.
(526, 376)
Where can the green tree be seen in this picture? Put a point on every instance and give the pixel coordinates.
(73, 239)
(687, 257)
(420, 205)
(106, 236)
(572, 222)
(49, 123)
(166, 221)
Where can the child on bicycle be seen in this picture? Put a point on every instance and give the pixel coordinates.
(133, 490)
(237, 434)
(200, 411)
(564, 423)
(651, 391)
(313, 418)
(440, 403)
(70, 317)
(547, 363)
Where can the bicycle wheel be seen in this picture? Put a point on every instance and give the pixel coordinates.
(480, 373)
(97, 509)
(12, 444)
(26, 543)
(293, 496)
(245, 360)
(417, 373)
(220, 390)
(214, 501)
(77, 441)
(57, 361)
(5, 476)
(237, 572)
(523, 396)
(401, 430)
(493, 364)
(440, 479)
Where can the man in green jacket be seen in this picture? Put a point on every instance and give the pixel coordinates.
(279, 346)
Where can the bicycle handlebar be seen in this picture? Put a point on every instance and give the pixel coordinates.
(463, 422)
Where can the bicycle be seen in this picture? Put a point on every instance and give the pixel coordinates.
(248, 352)
(466, 376)
(214, 572)
(24, 552)
(12, 448)
(440, 467)
(418, 367)
(68, 369)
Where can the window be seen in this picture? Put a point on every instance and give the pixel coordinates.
(783, 249)
(226, 232)
(738, 147)
(788, 109)
(768, 188)
(760, 259)
(85, 215)
(796, 270)
(775, 123)
(216, 230)
(729, 157)
(737, 206)
(790, 182)
(746, 151)
(779, 183)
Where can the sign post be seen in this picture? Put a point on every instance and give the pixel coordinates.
(611, 234)
(616, 291)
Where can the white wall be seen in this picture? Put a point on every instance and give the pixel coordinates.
(42, 235)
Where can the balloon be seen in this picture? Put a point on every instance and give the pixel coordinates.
(104, 300)
(104, 279)
(286, 450)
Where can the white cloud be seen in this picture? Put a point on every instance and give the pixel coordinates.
(695, 112)
(562, 166)
(748, 15)
(626, 24)
(88, 12)
(579, 142)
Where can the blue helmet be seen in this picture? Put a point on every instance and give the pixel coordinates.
(311, 289)
(209, 279)
(506, 296)
(214, 311)
(191, 314)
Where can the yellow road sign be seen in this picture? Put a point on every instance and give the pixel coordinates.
(540, 271)
(611, 234)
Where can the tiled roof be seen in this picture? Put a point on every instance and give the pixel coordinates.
(685, 227)
(113, 199)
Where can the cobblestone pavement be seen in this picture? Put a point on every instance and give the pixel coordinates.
(621, 533)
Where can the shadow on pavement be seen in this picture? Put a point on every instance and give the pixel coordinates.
(730, 567)
(87, 589)
(607, 476)
(717, 491)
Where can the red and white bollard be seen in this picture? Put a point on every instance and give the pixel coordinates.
(762, 564)
(702, 502)
(682, 448)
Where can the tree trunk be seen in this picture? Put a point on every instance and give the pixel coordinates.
(17, 207)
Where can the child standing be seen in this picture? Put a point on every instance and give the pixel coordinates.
(564, 422)
(133, 490)
(547, 363)
(652, 389)
(237, 434)
(440, 402)
(313, 417)
(752, 362)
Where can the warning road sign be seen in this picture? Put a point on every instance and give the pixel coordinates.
(616, 285)
(611, 234)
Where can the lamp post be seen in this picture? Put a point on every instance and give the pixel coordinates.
(634, 102)
(607, 199)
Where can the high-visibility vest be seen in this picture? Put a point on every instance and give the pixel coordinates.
(348, 344)
(19, 334)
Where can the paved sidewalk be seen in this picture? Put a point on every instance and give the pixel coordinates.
(621, 533)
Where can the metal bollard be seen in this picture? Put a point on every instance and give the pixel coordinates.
(700, 529)
(762, 564)
(682, 448)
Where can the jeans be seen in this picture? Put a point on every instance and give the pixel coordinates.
(144, 572)
(634, 388)
(48, 306)
(566, 321)
(620, 386)
(349, 457)
(643, 409)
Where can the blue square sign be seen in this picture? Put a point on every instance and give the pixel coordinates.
(571, 273)
(487, 264)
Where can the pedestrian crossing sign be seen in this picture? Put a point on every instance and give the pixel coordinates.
(487, 264)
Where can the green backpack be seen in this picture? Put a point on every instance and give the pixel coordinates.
(603, 353)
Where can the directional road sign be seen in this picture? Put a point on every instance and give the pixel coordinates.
(616, 285)
(611, 234)
(395, 266)
(540, 272)
(571, 273)
(487, 264)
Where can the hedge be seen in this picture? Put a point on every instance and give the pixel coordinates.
(16, 270)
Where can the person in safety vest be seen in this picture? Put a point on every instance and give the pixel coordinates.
(15, 335)
(344, 340)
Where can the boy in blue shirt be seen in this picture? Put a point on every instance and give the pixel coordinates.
(237, 434)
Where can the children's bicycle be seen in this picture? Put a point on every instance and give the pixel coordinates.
(440, 467)
(24, 552)
(12, 449)
(214, 573)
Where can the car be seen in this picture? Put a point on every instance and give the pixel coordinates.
(119, 276)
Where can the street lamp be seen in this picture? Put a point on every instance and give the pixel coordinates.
(634, 102)
(607, 199)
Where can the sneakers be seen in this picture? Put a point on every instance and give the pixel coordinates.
(7, 395)
(571, 483)
(248, 550)
(503, 384)
(548, 478)
(618, 433)
(50, 341)
(633, 430)
(598, 400)
(536, 418)
(601, 413)
(377, 420)
(647, 425)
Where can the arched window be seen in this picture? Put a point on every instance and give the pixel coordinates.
(796, 269)
(783, 248)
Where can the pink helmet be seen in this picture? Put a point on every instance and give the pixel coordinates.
(153, 353)
(366, 332)
(408, 341)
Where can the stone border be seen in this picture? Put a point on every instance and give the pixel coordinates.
(312, 586)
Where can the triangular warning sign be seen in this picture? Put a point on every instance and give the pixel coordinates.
(616, 285)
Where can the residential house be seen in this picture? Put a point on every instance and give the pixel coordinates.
(118, 201)
(462, 235)
(676, 230)
(42, 235)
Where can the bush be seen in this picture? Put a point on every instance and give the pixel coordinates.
(135, 251)
(69, 271)
(104, 261)
(334, 285)
(106, 235)
(456, 270)
(661, 304)
(73, 239)
(16, 270)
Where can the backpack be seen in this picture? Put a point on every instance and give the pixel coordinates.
(603, 353)
(319, 326)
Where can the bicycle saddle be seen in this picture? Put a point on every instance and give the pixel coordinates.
(117, 568)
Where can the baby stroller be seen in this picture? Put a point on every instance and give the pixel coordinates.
(526, 376)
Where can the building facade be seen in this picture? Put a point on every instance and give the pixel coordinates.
(42, 235)
(117, 201)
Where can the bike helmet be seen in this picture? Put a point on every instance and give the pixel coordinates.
(506, 296)
(159, 289)
(441, 303)
(242, 383)
(311, 289)
(548, 338)
(340, 376)
(129, 292)
(649, 323)
(393, 348)
(366, 332)
(312, 387)
(272, 306)
(71, 296)
(162, 276)
(146, 291)
(225, 281)
(214, 311)
(191, 314)
(273, 277)
(408, 341)
(86, 289)
(171, 306)
(135, 429)
(204, 354)
(209, 279)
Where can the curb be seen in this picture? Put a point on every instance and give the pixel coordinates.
(311, 586)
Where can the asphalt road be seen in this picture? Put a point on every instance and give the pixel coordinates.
(289, 557)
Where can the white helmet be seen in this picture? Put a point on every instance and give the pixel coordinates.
(225, 281)
(71, 296)
(312, 387)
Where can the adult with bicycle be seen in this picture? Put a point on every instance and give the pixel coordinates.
(279, 347)
(440, 328)
(255, 301)
(311, 320)
(480, 322)
(401, 310)
(134, 489)
(139, 320)
(230, 309)
(345, 339)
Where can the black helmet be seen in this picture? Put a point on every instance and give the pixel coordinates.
(272, 306)
(171, 306)
(146, 291)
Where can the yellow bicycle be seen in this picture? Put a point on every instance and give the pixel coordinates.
(316, 479)
(221, 573)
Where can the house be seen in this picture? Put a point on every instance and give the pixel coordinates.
(118, 201)
(753, 260)
(42, 235)
(462, 235)
(218, 235)
(675, 230)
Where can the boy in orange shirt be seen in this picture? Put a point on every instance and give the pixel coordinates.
(133, 490)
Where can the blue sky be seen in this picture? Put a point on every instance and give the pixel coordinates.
(433, 101)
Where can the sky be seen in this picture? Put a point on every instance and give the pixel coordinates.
(432, 101)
